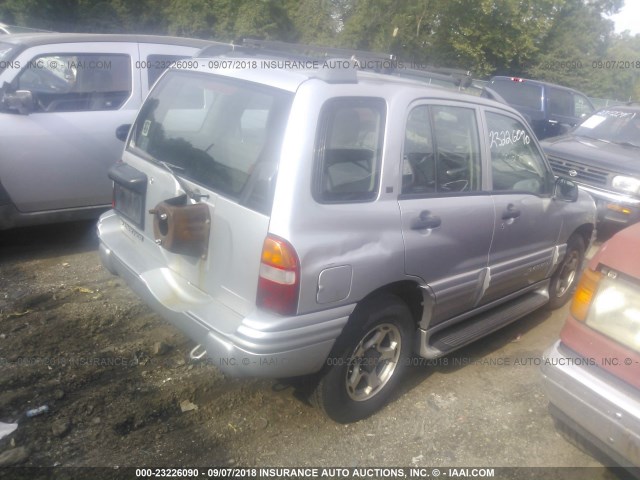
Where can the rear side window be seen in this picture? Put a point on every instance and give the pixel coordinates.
(349, 150)
(519, 93)
(222, 134)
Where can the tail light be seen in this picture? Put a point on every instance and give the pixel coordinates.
(279, 280)
(585, 293)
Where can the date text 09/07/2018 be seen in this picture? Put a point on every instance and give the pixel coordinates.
(314, 472)
(274, 64)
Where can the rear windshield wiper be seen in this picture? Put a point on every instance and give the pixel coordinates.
(169, 167)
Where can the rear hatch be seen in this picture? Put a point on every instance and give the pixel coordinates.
(198, 178)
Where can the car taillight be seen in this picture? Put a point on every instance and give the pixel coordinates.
(279, 279)
(516, 79)
(585, 292)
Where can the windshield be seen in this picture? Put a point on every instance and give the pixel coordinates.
(220, 133)
(6, 54)
(612, 125)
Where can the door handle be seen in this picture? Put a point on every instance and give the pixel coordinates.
(510, 212)
(425, 221)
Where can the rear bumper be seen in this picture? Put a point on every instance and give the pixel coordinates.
(597, 405)
(259, 344)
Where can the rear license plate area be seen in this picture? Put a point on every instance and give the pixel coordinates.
(129, 192)
(129, 204)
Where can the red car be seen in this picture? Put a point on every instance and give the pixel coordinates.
(592, 374)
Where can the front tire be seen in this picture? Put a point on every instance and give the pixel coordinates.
(367, 361)
(564, 280)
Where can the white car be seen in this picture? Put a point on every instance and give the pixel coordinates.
(62, 97)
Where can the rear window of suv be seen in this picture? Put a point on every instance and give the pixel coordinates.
(519, 93)
(222, 134)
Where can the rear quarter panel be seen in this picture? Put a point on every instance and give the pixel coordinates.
(365, 236)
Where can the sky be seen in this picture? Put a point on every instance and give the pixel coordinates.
(628, 18)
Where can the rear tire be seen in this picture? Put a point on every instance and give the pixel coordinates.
(564, 280)
(368, 360)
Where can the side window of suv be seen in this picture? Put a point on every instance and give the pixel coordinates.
(78, 83)
(441, 151)
(516, 162)
(349, 149)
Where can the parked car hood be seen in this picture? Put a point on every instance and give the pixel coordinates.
(615, 252)
(589, 151)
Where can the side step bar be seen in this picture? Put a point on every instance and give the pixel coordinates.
(445, 341)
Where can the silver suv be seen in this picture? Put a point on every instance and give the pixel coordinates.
(332, 223)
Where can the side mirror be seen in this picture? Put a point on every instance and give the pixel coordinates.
(565, 190)
(122, 131)
(20, 101)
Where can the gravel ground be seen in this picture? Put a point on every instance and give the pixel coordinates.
(120, 390)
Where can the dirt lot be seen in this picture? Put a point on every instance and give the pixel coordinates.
(120, 390)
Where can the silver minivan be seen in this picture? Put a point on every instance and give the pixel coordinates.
(62, 96)
(324, 222)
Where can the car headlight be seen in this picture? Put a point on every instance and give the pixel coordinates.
(626, 184)
(610, 304)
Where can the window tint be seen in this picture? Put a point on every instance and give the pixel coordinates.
(222, 134)
(349, 148)
(157, 64)
(560, 102)
(519, 93)
(441, 151)
(76, 83)
(516, 162)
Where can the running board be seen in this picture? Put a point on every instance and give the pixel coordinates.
(446, 341)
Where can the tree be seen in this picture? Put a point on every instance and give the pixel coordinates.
(489, 36)
(314, 21)
(41, 13)
(266, 19)
(578, 37)
(193, 18)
